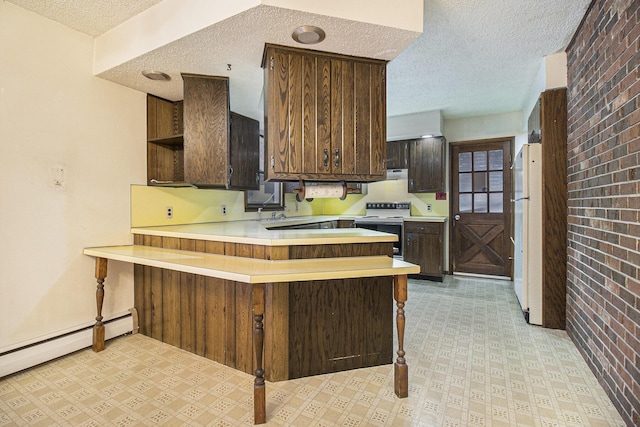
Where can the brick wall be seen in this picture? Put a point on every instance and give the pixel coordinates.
(603, 289)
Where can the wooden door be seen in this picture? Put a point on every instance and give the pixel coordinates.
(480, 207)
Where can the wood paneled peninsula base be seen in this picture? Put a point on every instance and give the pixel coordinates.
(275, 311)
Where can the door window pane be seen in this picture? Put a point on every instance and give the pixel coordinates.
(464, 182)
(480, 160)
(495, 181)
(495, 160)
(480, 182)
(495, 202)
(480, 202)
(464, 162)
(464, 203)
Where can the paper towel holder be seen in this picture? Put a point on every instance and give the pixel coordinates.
(311, 190)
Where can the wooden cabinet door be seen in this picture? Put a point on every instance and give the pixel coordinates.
(423, 246)
(244, 153)
(370, 119)
(206, 130)
(397, 154)
(325, 116)
(426, 165)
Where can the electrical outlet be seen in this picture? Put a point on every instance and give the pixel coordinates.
(224, 209)
(428, 207)
(169, 212)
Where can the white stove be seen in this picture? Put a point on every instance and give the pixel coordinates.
(387, 217)
(388, 212)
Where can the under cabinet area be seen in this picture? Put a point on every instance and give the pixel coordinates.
(199, 141)
(423, 245)
(325, 116)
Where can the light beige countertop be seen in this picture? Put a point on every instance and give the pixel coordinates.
(426, 218)
(251, 270)
(258, 232)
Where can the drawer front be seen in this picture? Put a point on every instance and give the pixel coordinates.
(422, 227)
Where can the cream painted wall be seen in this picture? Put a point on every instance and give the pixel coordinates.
(486, 127)
(72, 144)
(483, 127)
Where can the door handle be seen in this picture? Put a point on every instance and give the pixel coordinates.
(456, 217)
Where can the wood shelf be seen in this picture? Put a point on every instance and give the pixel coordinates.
(169, 140)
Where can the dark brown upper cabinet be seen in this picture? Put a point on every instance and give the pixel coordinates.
(398, 154)
(218, 148)
(325, 116)
(426, 165)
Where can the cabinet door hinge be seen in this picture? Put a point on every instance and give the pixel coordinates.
(229, 175)
(273, 163)
(271, 63)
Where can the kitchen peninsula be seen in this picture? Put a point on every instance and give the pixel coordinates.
(306, 302)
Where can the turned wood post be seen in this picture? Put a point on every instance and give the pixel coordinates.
(98, 328)
(259, 392)
(400, 368)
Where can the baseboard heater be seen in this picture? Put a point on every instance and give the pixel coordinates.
(21, 358)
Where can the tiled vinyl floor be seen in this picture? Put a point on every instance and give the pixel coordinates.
(473, 361)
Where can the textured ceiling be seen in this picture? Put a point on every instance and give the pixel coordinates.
(475, 57)
(478, 57)
(92, 17)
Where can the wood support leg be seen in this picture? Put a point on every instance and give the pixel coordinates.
(259, 391)
(400, 368)
(98, 328)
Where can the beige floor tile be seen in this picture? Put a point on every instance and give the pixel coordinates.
(473, 361)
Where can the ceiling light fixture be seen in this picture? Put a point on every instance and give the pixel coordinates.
(156, 75)
(308, 34)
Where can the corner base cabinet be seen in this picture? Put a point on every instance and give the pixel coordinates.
(423, 245)
(317, 326)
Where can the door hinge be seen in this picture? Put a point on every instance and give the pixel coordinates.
(229, 175)
(273, 163)
(271, 63)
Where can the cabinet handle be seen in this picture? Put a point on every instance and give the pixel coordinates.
(337, 158)
(325, 158)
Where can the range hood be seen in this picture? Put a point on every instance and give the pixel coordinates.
(396, 174)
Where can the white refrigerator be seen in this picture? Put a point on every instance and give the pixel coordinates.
(528, 231)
